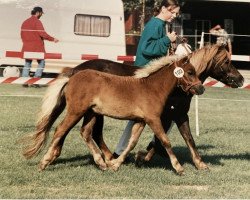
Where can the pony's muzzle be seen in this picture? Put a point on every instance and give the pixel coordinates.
(237, 81)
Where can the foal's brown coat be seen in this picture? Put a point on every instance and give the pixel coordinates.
(89, 92)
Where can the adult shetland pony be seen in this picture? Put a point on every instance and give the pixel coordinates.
(89, 92)
(212, 60)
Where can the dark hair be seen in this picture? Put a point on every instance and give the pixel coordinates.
(166, 3)
(36, 9)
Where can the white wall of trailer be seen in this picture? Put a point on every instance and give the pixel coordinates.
(58, 21)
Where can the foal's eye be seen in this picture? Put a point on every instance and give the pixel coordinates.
(190, 73)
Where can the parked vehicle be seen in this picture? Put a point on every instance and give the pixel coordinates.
(85, 28)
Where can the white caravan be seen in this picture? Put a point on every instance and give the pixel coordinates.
(83, 27)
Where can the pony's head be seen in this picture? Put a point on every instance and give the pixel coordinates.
(215, 61)
(224, 71)
(187, 77)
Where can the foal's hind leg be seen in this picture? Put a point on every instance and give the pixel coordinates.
(135, 134)
(155, 146)
(98, 137)
(61, 131)
(86, 132)
(156, 126)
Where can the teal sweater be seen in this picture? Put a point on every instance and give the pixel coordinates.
(153, 42)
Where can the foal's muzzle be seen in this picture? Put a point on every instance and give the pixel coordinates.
(194, 88)
(197, 89)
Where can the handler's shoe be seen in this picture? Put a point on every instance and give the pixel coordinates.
(25, 85)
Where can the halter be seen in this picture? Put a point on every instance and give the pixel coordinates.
(185, 87)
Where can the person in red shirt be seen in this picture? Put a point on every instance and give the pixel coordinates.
(33, 36)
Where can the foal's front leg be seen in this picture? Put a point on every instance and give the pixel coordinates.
(135, 134)
(156, 126)
(156, 146)
(184, 128)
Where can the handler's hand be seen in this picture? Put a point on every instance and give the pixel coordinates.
(172, 36)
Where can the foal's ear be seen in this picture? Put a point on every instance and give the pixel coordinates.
(185, 59)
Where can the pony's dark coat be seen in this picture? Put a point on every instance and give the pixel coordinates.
(212, 61)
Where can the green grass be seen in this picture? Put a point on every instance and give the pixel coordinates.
(223, 143)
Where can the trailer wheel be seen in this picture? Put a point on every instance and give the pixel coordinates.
(10, 71)
(1, 71)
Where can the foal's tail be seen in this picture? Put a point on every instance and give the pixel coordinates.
(53, 104)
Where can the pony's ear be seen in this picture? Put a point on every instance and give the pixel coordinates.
(212, 52)
(221, 47)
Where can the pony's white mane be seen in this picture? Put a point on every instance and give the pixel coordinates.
(155, 65)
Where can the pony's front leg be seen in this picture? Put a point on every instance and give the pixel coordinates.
(184, 128)
(86, 132)
(156, 126)
(61, 132)
(135, 134)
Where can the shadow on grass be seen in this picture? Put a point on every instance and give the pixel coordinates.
(76, 161)
(182, 154)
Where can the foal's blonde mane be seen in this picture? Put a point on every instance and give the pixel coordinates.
(155, 65)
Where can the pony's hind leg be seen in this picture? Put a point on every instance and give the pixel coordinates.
(144, 156)
(185, 131)
(86, 132)
(135, 134)
(98, 137)
(56, 144)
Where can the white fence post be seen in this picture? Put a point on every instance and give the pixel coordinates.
(196, 97)
(197, 129)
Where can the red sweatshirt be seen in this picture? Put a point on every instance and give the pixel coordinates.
(33, 35)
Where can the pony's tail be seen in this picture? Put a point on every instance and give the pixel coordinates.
(53, 104)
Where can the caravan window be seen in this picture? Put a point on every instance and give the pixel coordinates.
(92, 25)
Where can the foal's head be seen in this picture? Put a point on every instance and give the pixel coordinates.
(187, 77)
(224, 71)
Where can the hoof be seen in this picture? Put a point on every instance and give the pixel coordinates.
(114, 168)
(140, 158)
(113, 165)
(180, 171)
(103, 166)
(202, 166)
(41, 167)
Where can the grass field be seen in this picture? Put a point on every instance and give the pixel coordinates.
(223, 143)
